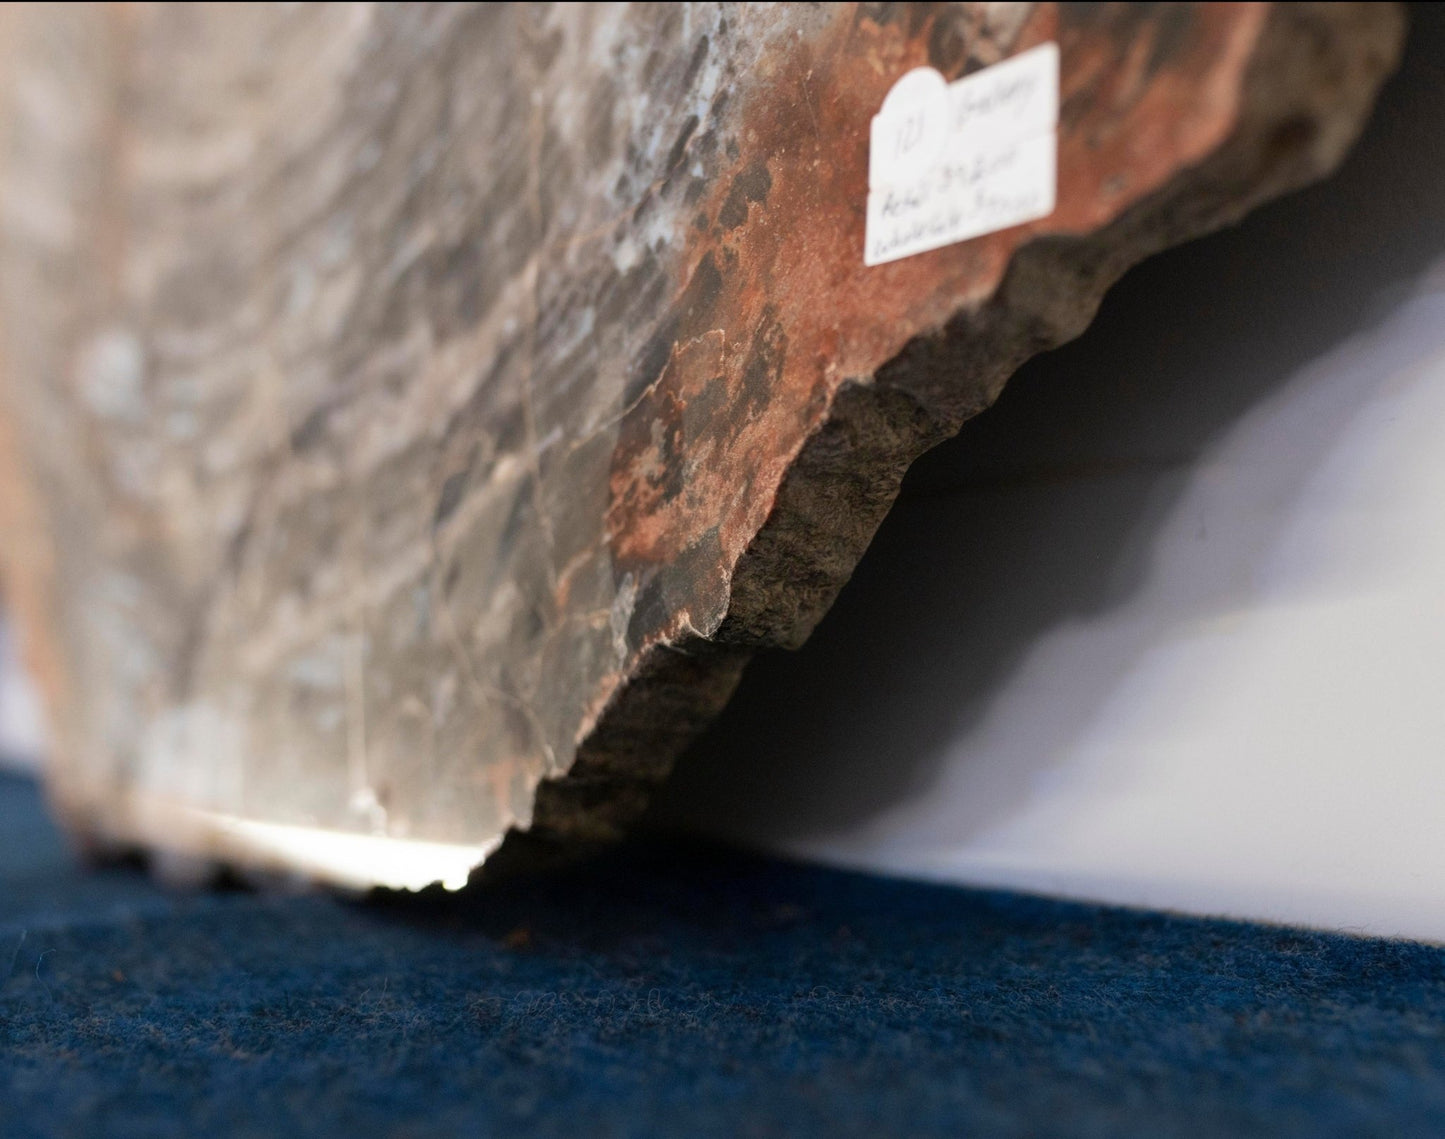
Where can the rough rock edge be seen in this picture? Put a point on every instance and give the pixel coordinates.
(1307, 95)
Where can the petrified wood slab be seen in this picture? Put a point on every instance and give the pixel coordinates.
(414, 417)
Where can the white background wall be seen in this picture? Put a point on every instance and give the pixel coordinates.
(21, 732)
(1166, 626)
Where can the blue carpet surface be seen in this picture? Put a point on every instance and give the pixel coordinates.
(667, 992)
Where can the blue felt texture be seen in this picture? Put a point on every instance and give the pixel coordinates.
(666, 992)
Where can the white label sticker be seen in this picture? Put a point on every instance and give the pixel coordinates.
(951, 161)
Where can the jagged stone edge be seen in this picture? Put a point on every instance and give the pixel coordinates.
(1308, 92)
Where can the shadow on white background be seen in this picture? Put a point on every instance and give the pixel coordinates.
(1167, 625)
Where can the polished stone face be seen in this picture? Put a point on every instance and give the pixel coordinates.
(424, 411)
